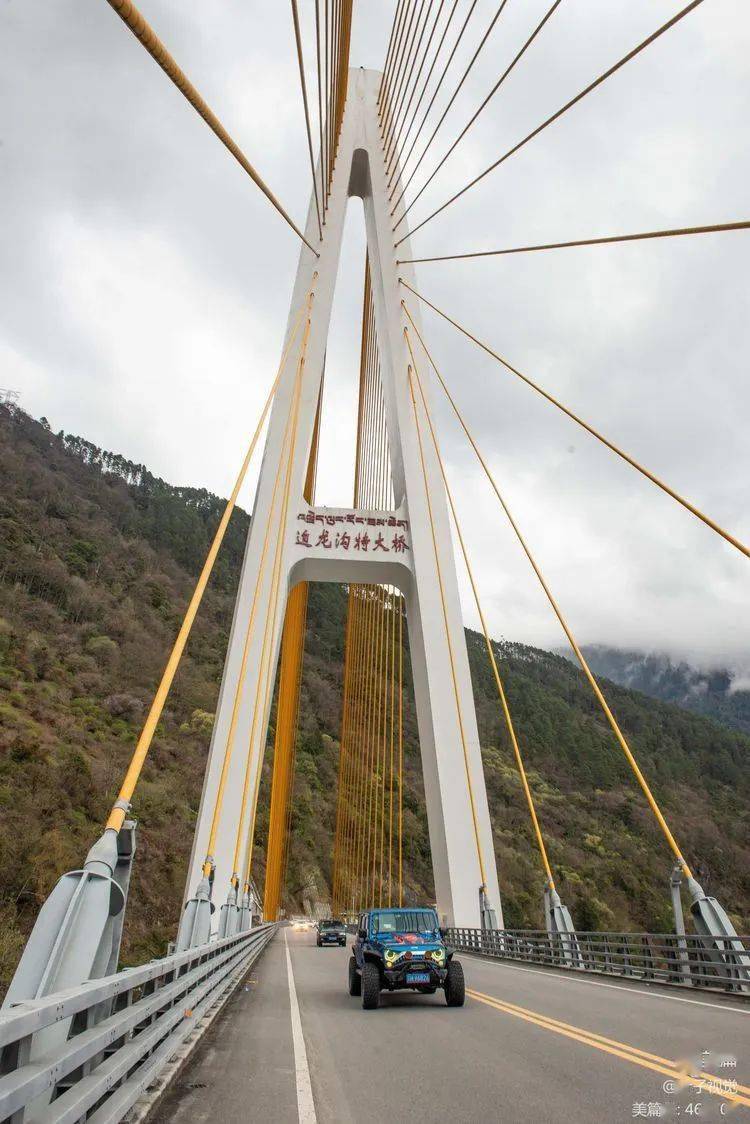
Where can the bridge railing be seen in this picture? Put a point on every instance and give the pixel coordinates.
(88, 1053)
(691, 961)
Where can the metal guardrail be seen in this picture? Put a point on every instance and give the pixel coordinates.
(88, 1053)
(691, 961)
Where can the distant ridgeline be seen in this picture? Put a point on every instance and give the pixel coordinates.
(715, 692)
(180, 517)
(98, 559)
(115, 463)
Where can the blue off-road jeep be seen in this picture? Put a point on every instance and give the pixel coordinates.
(403, 948)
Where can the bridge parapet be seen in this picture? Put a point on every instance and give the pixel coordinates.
(717, 963)
(124, 1029)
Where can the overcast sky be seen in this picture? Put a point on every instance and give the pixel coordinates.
(145, 282)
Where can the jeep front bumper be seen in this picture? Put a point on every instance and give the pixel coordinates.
(395, 976)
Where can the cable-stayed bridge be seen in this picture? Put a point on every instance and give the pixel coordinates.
(559, 1022)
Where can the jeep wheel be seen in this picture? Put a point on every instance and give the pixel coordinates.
(355, 980)
(455, 989)
(370, 983)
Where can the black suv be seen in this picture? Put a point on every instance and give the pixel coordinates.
(331, 932)
(403, 948)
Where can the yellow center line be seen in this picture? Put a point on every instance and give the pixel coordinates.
(677, 1070)
(599, 1037)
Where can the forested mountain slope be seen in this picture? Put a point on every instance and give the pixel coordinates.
(97, 562)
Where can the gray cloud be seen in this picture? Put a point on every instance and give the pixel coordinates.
(145, 282)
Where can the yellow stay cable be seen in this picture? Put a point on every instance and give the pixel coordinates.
(356, 740)
(391, 44)
(347, 794)
(454, 678)
(371, 718)
(286, 715)
(343, 763)
(394, 102)
(303, 85)
(377, 728)
(488, 642)
(343, 812)
(393, 68)
(358, 827)
(388, 671)
(384, 731)
(392, 742)
(382, 726)
(589, 428)
(378, 678)
(287, 712)
(122, 804)
(356, 814)
(273, 601)
(369, 680)
(239, 692)
(382, 742)
(287, 719)
(367, 665)
(563, 623)
(400, 752)
(349, 790)
(372, 678)
(344, 754)
(148, 39)
(240, 686)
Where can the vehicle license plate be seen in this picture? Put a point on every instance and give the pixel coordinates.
(417, 977)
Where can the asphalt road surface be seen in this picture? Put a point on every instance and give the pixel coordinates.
(530, 1045)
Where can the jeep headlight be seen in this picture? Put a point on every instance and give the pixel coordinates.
(438, 955)
(391, 956)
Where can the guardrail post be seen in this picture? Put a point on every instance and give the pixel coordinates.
(14, 1056)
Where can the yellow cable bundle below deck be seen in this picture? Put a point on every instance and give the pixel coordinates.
(367, 848)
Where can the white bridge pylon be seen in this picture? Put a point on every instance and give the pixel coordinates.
(405, 557)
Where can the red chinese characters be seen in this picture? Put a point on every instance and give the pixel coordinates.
(361, 542)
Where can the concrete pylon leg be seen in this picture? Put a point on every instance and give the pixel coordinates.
(77, 933)
(195, 924)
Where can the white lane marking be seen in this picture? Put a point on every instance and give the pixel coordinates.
(614, 987)
(305, 1102)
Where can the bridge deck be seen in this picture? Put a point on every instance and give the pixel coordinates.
(416, 1060)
